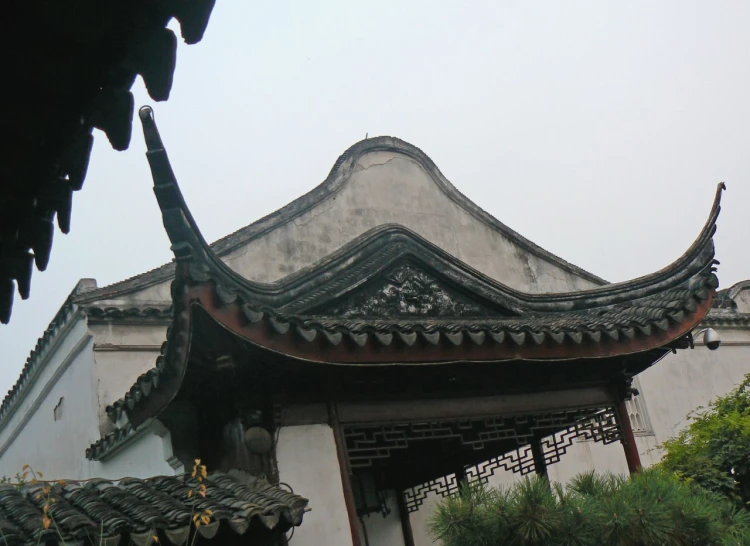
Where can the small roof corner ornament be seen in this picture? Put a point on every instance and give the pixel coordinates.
(146, 112)
(150, 131)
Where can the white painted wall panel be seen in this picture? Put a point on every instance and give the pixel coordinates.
(308, 462)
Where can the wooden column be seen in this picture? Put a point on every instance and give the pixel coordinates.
(540, 466)
(628, 438)
(346, 479)
(405, 521)
(460, 476)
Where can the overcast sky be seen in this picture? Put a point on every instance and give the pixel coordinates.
(596, 129)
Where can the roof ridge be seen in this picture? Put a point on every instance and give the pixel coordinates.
(331, 185)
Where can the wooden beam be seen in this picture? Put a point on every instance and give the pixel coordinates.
(459, 408)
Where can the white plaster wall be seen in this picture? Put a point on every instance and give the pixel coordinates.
(116, 372)
(144, 457)
(122, 352)
(307, 460)
(385, 531)
(32, 436)
(389, 187)
(680, 383)
(743, 301)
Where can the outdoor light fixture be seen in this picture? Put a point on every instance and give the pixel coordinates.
(711, 338)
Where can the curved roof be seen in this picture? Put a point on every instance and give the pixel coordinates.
(437, 309)
(725, 298)
(340, 173)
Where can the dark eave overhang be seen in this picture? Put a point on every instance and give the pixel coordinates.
(71, 71)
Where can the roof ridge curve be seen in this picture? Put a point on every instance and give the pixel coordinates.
(339, 174)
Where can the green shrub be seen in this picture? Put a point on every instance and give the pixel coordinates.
(652, 508)
(714, 450)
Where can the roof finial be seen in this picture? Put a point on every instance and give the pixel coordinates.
(178, 221)
(150, 131)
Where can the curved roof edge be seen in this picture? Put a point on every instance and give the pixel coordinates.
(735, 289)
(340, 173)
(725, 299)
(187, 239)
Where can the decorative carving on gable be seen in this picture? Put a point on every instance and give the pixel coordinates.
(406, 291)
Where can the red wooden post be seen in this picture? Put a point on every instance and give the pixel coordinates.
(540, 465)
(405, 521)
(628, 438)
(346, 479)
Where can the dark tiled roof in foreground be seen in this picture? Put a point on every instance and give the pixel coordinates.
(110, 513)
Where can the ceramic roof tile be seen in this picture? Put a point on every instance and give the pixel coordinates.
(105, 512)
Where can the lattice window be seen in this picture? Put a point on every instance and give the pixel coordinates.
(414, 497)
(369, 444)
(636, 407)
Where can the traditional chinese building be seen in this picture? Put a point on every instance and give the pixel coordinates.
(370, 345)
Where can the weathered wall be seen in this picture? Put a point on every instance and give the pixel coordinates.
(59, 417)
(148, 455)
(122, 352)
(387, 188)
(157, 295)
(32, 434)
(743, 301)
(307, 461)
(680, 383)
(392, 188)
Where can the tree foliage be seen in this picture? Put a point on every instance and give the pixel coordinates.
(649, 509)
(714, 450)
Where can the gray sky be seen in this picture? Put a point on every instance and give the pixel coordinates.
(596, 129)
